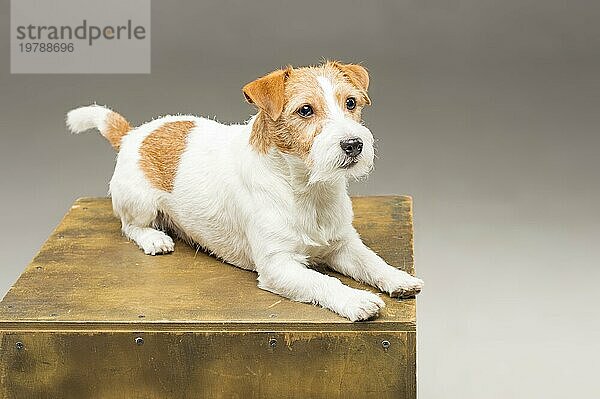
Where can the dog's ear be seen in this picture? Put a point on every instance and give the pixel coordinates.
(267, 93)
(358, 75)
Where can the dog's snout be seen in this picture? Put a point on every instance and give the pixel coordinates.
(352, 147)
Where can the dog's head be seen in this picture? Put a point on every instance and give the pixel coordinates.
(314, 114)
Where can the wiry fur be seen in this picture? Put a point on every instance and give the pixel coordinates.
(269, 195)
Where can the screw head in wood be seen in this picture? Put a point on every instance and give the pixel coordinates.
(20, 345)
(139, 341)
(272, 342)
(385, 343)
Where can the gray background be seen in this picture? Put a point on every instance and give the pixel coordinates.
(487, 112)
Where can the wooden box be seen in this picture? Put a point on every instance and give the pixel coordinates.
(93, 317)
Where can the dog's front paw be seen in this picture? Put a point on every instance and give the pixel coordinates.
(156, 242)
(362, 305)
(406, 286)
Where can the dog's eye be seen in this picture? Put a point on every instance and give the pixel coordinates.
(305, 111)
(351, 103)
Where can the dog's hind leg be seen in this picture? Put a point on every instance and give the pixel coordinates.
(137, 214)
(151, 241)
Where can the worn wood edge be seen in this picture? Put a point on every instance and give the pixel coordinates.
(194, 326)
(295, 330)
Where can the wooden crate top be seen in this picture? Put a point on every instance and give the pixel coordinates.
(87, 276)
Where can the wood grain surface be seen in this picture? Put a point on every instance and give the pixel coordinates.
(87, 272)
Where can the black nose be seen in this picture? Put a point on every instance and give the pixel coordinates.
(352, 147)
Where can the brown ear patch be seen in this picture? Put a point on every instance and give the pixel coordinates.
(358, 75)
(116, 127)
(161, 151)
(267, 93)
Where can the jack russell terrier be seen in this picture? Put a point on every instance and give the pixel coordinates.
(269, 195)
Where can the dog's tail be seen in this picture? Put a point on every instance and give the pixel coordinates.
(110, 124)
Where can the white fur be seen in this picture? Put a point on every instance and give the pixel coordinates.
(275, 214)
(81, 119)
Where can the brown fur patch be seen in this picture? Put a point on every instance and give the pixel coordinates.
(268, 92)
(289, 132)
(161, 151)
(116, 128)
(357, 74)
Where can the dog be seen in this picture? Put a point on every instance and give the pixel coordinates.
(269, 195)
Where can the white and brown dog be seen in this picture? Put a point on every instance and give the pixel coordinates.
(269, 195)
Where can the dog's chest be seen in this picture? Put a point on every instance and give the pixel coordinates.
(321, 223)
